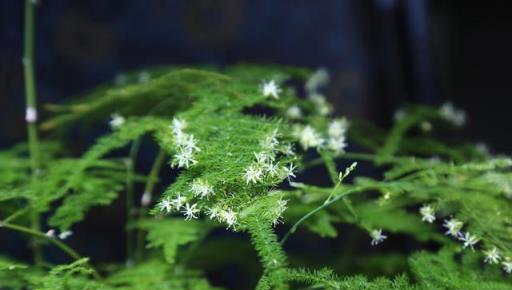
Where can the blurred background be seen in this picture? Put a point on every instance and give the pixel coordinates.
(381, 54)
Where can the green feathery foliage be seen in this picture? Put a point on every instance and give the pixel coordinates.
(172, 233)
(241, 142)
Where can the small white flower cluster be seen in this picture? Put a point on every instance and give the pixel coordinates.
(507, 265)
(335, 140)
(201, 188)
(270, 89)
(468, 240)
(265, 164)
(493, 256)
(179, 202)
(191, 210)
(322, 107)
(453, 115)
(167, 204)
(454, 228)
(63, 235)
(116, 121)
(337, 131)
(294, 112)
(377, 237)
(227, 216)
(427, 214)
(186, 144)
(308, 137)
(316, 81)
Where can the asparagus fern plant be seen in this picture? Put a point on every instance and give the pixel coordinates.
(237, 142)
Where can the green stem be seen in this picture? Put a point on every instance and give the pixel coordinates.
(15, 215)
(65, 248)
(333, 174)
(134, 149)
(148, 190)
(31, 112)
(324, 205)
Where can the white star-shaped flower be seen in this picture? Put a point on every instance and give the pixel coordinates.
(288, 172)
(310, 138)
(187, 142)
(116, 121)
(338, 127)
(337, 144)
(178, 125)
(287, 149)
(263, 158)
(213, 212)
(201, 188)
(190, 211)
(270, 142)
(318, 79)
(184, 158)
(427, 214)
(454, 226)
(272, 169)
(468, 240)
(507, 265)
(253, 174)
(178, 201)
(166, 205)
(229, 217)
(492, 256)
(271, 89)
(377, 237)
(322, 106)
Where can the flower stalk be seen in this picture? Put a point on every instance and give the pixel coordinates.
(31, 111)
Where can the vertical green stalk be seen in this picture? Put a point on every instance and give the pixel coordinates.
(31, 110)
(146, 199)
(130, 210)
